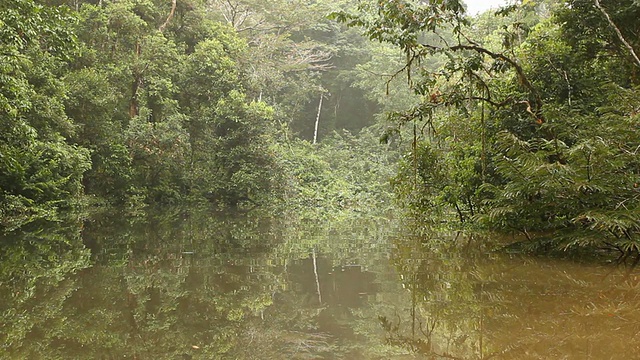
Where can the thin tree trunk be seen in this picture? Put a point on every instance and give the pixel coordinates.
(315, 132)
(133, 103)
(166, 22)
(136, 84)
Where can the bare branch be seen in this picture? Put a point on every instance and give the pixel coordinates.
(617, 30)
(236, 15)
(308, 57)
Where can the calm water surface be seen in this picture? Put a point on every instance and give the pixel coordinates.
(199, 285)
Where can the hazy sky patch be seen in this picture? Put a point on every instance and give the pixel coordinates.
(478, 6)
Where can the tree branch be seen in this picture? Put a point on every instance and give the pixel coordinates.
(166, 22)
(522, 77)
(493, 103)
(497, 56)
(617, 30)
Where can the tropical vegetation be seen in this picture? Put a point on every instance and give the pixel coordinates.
(527, 119)
(522, 120)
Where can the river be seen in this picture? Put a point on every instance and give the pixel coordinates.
(205, 285)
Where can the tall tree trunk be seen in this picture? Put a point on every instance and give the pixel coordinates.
(315, 132)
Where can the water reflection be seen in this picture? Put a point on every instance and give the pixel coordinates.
(197, 285)
(36, 280)
(471, 303)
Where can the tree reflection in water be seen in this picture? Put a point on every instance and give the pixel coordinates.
(197, 285)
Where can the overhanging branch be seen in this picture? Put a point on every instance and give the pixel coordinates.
(522, 78)
(498, 56)
(618, 32)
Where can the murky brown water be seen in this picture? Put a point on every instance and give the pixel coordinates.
(204, 286)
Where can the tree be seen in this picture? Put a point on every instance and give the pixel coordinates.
(541, 161)
(40, 170)
(176, 123)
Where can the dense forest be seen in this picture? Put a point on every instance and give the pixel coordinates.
(529, 120)
(133, 103)
(524, 119)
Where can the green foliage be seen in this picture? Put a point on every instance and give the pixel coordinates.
(158, 155)
(530, 128)
(92, 101)
(432, 182)
(237, 165)
(39, 170)
(229, 160)
(587, 183)
(343, 173)
(140, 102)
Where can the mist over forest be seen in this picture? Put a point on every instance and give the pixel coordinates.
(521, 119)
(314, 179)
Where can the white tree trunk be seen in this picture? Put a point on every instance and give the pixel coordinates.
(315, 132)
